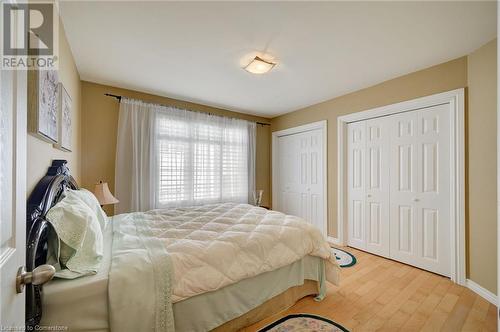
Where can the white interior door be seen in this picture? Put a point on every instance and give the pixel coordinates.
(301, 176)
(356, 147)
(289, 173)
(368, 183)
(13, 130)
(404, 192)
(420, 189)
(315, 181)
(377, 185)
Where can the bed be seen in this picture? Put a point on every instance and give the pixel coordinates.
(230, 265)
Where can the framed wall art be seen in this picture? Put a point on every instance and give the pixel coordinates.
(64, 118)
(42, 104)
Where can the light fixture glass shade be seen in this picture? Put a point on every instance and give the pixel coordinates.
(103, 194)
(259, 66)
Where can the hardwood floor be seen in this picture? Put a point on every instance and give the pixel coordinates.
(378, 294)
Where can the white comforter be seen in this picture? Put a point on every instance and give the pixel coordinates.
(207, 248)
(213, 246)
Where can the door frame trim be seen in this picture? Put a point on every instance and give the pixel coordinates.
(296, 130)
(457, 175)
(15, 255)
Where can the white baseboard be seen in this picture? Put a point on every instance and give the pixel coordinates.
(334, 241)
(481, 291)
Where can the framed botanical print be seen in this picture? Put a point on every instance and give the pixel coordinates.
(64, 119)
(42, 104)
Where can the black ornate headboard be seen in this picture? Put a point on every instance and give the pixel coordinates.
(45, 195)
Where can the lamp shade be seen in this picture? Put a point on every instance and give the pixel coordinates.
(103, 194)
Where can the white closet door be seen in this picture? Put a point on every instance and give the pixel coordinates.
(300, 158)
(316, 180)
(289, 173)
(420, 189)
(377, 185)
(304, 174)
(356, 142)
(404, 191)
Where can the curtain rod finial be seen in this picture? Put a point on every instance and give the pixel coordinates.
(114, 96)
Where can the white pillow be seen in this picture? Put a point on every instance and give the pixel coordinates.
(77, 227)
(91, 201)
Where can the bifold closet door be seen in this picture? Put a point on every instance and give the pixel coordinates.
(300, 169)
(377, 185)
(368, 183)
(289, 175)
(356, 142)
(420, 189)
(399, 189)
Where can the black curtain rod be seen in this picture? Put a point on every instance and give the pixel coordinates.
(120, 99)
(114, 96)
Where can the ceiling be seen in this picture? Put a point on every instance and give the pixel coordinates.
(195, 51)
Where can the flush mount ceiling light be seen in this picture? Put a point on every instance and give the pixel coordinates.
(259, 66)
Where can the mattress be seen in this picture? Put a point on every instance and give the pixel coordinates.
(82, 304)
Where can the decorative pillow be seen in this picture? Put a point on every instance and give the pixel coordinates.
(91, 201)
(80, 237)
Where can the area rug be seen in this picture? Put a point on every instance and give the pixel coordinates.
(302, 323)
(344, 258)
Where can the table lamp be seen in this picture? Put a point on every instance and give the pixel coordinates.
(103, 195)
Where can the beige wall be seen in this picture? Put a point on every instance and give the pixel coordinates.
(481, 133)
(482, 166)
(100, 120)
(40, 153)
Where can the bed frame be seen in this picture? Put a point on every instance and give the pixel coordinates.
(46, 194)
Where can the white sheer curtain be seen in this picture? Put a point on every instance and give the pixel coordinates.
(252, 146)
(134, 165)
(168, 157)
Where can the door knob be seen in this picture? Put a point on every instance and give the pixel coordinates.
(416, 200)
(369, 195)
(38, 276)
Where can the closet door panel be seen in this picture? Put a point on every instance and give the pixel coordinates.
(290, 175)
(403, 186)
(420, 202)
(377, 185)
(282, 176)
(315, 184)
(303, 147)
(356, 144)
(434, 189)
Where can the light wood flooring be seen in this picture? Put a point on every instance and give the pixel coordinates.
(378, 294)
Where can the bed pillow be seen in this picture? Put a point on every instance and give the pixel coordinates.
(91, 201)
(79, 237)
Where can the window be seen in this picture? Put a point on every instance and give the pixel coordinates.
(201, 159)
